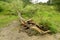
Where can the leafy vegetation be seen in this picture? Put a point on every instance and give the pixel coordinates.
(5, 20)
(40, 13)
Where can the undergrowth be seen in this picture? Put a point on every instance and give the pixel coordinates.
(44, 14)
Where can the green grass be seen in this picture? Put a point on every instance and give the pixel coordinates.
(40, 14)
(49, 14)
(46, 13)
(5, 19)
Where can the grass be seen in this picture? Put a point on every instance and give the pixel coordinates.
(46, 13)
(5, 19)
(40, 13)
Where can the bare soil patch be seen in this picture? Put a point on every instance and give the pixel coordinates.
(11, 33)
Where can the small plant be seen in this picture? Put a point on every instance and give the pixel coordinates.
(46, 25)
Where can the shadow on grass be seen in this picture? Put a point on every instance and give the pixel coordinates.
(57, 7)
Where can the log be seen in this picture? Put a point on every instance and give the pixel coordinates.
(39, 30)
(27, 24)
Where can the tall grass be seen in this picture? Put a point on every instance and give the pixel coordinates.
(46, 14)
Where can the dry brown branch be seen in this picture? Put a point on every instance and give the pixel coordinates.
(27, 24)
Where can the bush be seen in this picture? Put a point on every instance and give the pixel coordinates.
(48, 26)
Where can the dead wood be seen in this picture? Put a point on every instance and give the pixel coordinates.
(30, 24)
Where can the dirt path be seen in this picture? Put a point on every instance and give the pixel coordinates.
(11, 33)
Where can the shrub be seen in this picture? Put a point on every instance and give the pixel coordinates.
(48, 26)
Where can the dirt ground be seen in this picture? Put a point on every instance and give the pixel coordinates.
(11, 33)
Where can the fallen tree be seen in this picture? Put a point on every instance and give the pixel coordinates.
(30, 24)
